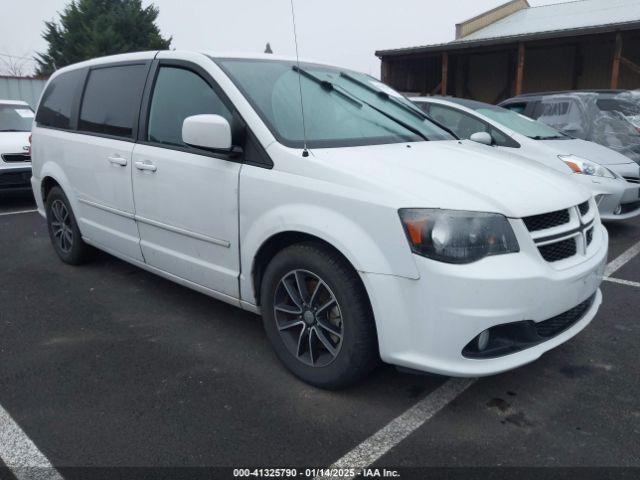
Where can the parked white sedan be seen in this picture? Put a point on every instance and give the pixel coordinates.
(599, 168)
(15, 155)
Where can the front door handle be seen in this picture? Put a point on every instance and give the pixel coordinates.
(145, 166)
(117, 160)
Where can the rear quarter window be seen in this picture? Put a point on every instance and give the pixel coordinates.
(112, 99)
(516, 107)
(58, 99)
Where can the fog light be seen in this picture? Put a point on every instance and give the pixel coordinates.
(618, 210)
(483, 340)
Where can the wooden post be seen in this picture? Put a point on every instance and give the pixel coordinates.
(384, 71)
(445, 73)
(520, 69)
(615, 67)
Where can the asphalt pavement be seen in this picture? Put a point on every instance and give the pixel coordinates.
(106, 365)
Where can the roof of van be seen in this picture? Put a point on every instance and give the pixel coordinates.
(149, 55)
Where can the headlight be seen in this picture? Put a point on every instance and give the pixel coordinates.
(454, 236)
(585, 167)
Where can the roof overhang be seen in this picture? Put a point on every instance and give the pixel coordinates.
(489, 42)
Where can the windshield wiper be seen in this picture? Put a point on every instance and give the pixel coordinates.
(12, 130)
(328, 86)
(331, 87)
(549, 137)
(412, 109)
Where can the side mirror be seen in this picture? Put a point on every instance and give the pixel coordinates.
(482, 137)
(211, 132)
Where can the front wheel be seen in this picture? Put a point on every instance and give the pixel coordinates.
(317, 316)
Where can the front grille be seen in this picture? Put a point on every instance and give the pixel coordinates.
(546, 220)
(16, 157)
(584, 208)
(555, 252)
(632, 179)
(629, 207)
(589, 236)
(559, 323)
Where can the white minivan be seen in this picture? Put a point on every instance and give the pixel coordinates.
(358, 228)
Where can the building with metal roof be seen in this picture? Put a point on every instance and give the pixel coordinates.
(516, 48)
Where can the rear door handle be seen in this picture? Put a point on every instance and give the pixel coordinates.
(117, 160)
(146, 165)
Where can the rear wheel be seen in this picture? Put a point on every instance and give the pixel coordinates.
(63, 230)
(317, 316)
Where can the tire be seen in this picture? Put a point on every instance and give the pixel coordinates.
(63, 230)
(310, 288)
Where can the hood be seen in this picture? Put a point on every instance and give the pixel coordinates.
(13, 142)
(589, 151)
(458, 175)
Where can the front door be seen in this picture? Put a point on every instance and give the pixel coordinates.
(186, 199)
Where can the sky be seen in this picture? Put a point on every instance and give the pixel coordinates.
(341, 32)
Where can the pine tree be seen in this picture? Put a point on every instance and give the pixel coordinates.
(268, 48)
(94, 28)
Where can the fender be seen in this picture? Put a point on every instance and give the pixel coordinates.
(53, 170)
(343, 233)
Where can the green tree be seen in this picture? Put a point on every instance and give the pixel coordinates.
(94, 28)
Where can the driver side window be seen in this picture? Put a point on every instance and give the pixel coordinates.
(178, 94)
(460, 123)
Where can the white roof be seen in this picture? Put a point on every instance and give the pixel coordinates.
(561, 16)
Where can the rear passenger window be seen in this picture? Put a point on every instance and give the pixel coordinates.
(179, 94)
(112, 99)
(57, 100)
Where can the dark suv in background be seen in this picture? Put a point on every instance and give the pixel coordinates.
(608, 117)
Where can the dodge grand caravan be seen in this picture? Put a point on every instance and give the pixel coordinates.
(358, 228)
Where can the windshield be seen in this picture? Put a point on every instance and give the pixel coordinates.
(341, 108)
(629, 109)
(15, 118)
(521, 124)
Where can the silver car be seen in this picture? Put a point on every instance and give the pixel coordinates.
(613, 178)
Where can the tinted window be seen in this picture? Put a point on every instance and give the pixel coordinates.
(178, 94)
(111, 100)
(57, 100)
(15, 118)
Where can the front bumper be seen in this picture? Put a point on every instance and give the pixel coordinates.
(617, 199)
(425, 324)
(15, 178)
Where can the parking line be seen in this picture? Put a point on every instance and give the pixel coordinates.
(401, 427)
(17, 213)
(619, 262)
(622, 282)
(20, 454)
